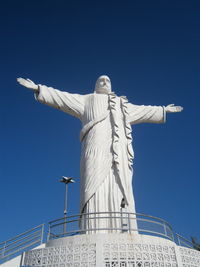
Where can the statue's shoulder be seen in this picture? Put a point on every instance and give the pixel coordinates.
(93, 95)
(87, 96)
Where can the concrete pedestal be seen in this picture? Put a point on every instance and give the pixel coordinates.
(112, 250)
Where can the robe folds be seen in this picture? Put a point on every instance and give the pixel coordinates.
(107, 154)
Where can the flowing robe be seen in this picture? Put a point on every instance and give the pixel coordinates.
(107, 154)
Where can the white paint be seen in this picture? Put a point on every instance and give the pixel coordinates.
(100, 250)
(106, 159)
(107, 154)
(15, 262)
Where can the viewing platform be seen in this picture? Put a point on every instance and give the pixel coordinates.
(66, 243)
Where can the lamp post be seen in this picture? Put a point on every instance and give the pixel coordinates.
(66, 181)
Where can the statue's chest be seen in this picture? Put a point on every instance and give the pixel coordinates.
(95, 106)
(99, 104)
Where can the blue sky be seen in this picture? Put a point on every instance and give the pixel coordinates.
(150, 50)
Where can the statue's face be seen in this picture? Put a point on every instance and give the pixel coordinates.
(103, 85)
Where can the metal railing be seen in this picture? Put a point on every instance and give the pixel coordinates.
(119, 222)
(109, 222)
(182, 241)
(91, 223)
(27, 240)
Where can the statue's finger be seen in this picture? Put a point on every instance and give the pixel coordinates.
(179, 108)
(20, 80)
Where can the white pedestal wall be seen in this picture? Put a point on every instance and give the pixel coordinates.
(112, 250)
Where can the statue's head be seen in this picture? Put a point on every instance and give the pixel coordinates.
(103, 85)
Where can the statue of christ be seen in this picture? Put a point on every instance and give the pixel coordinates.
(107, 154)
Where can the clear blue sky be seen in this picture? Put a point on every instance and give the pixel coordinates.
(151, 51)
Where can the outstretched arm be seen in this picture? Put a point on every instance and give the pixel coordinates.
(72, 104)
(150, 114)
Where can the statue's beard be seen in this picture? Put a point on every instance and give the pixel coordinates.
(102, 90)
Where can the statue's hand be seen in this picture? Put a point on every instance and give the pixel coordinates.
(171, 108)
(28, 83)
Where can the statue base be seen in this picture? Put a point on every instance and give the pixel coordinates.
(112, 250)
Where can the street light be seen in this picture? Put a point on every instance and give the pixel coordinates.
(66, 181)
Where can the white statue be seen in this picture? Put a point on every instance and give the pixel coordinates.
(107, 154)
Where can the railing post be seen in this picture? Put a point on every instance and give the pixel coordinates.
(129, 223)
(165, 230)
(121, 220)
(173, 239)
(42, 235)
(49, 232)
(179, 242)
(4, 250)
